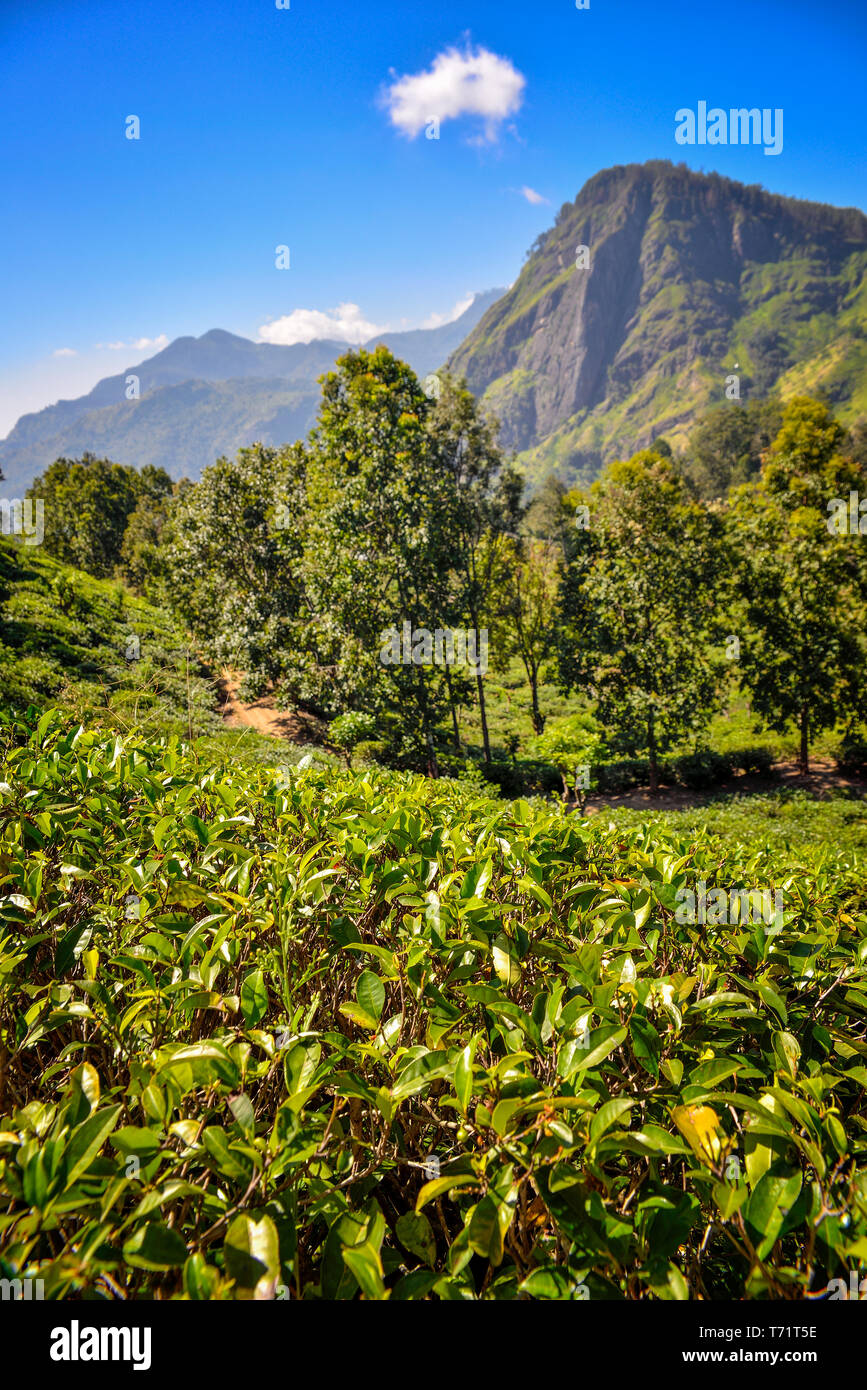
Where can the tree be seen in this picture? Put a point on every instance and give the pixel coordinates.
(232, 560)
(547, 516)
(141, 561)
(638, 608)
(527, 601)
(376, 550)
(801, 577)
(726, 446)
(482, 502)
(573, 745)
(87, 504)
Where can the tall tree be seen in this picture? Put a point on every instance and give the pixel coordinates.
(727, 444)
(639, 626)
(375, 546)
(801, 575)
(482, 502)
(232, 560)
(527, 596)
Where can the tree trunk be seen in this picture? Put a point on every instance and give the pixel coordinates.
(654, 765)
(481, 689)
(432, 766)
(485, 739)
(804, 760)
(455, 730)
(538, 719)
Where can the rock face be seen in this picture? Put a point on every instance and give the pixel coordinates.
(689, 274)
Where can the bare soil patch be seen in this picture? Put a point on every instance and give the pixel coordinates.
(262, 716)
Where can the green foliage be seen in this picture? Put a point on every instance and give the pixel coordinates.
(102, 652)
(802, 586)
(527, 590)
(851, 756)
(639, 609)
(87, 503)
(725, 448)
(231, 562)
(241, 1015)
(781, 824)
(350, 731)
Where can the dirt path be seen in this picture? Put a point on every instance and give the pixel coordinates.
(263, 717)
(824, 781)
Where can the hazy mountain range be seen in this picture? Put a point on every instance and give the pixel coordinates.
(202, 397)
(686, 280)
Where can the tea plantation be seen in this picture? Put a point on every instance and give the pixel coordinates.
(325, 1035)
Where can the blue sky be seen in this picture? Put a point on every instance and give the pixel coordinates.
(263, 127)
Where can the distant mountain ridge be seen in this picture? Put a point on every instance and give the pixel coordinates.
(691, 278)
(202, 397)
(689, 274)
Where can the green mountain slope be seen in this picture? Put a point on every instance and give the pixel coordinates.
(689, 275)
(94, 648)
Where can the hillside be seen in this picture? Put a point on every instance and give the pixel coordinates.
(689, 274)
(94, 648)
(207, 396)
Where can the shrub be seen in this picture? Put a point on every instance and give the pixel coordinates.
(523, 777)
(754, 760)
(703, 769)
(851, 756)
(627, 773)
(371, 750)
(404, 1040)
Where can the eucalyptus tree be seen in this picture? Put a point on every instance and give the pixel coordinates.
(640, 626)
(800, 572)
(481, 495)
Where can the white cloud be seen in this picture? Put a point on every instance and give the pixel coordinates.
(303, 325)
(474, 83)
(135, 344)
(64, 352)
(531, 195)
(139, 344)
(437, 320)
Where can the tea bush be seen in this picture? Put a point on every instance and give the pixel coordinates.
(327, 1035)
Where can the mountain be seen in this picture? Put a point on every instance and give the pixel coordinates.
(202, 397)
(689, 274)
(692, 278)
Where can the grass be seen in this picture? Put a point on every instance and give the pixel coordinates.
(783, 822)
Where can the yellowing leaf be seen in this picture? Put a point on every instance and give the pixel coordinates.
(700, 1127)
(506, 966)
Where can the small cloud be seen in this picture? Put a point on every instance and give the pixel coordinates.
(64, 352)
(135, 345)
(140, 344)
(437, 320)
(473, 83)
(304, 325)
(531, 195)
